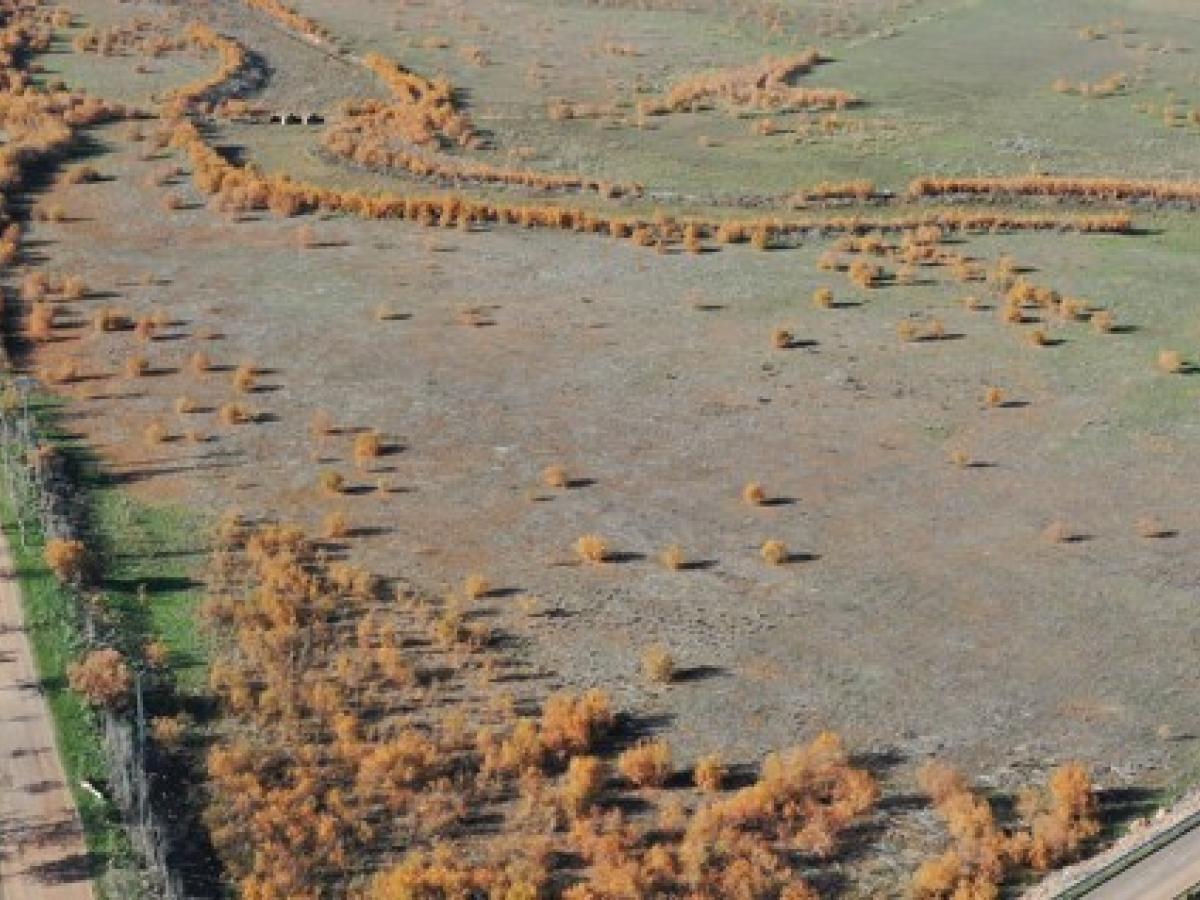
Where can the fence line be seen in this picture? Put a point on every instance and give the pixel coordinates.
(40, 493)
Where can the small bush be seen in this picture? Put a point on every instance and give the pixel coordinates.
(335, 526)
(673, 557)
(332, 482)
(555, 477)
(321, 424)
(158, 654)
(154, 433)
(74, 288)
(199, 362)
(367, 446)
(65, 372)
(476, 586)
(137, 366)
(754, 494)
(102, 677)
(185, 406)
(1170, 361)
(592, 548)
(658, 665)
(244, 378)
(67, 559)
(41, 322)
(1103, 321)
(781, 339)
(823, 298)
(306, 237)
(1151, 527)
(233, 414)
(710, 773)
(582, 784)
(646, 764)
(108, 319)
(169, 731)
(774, 552)
(572, 724)
(993, 397)
(144, 328)
(1057, 532)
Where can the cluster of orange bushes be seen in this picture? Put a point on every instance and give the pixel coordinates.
(337, 750)
(764, 85)
(243, 188)
(1054, 824)
(308, 786)
(423, 109)
(139, 36)
(233, 58)
(1105, 87)
(565, 110)
(290, 18)
(423, 115)
(367, 138)
(860, 189)
(1059, 186)
(739, 845)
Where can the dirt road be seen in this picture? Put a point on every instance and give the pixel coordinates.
(1163, 875)
(42, 853)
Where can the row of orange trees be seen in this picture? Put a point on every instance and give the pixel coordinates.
(1061, 186)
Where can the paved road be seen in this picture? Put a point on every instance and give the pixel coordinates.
(1160, 876)
(42, 853)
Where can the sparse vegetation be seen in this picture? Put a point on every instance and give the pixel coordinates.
(658, 665)
(774, 552)
(592, 548)
(389, 732)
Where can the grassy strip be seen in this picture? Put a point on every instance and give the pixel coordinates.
(52, 624)
(145, 554)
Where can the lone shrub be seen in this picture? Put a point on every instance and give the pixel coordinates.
(367, 446)
(244, 378)
(592, 548)
(233, 414)
(673, 557)
(1170, 361)
(774, 552)
(476, 586)
(1057, 532)
(332, 482)
(555, 477)
(754, 494)
(658, 665)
